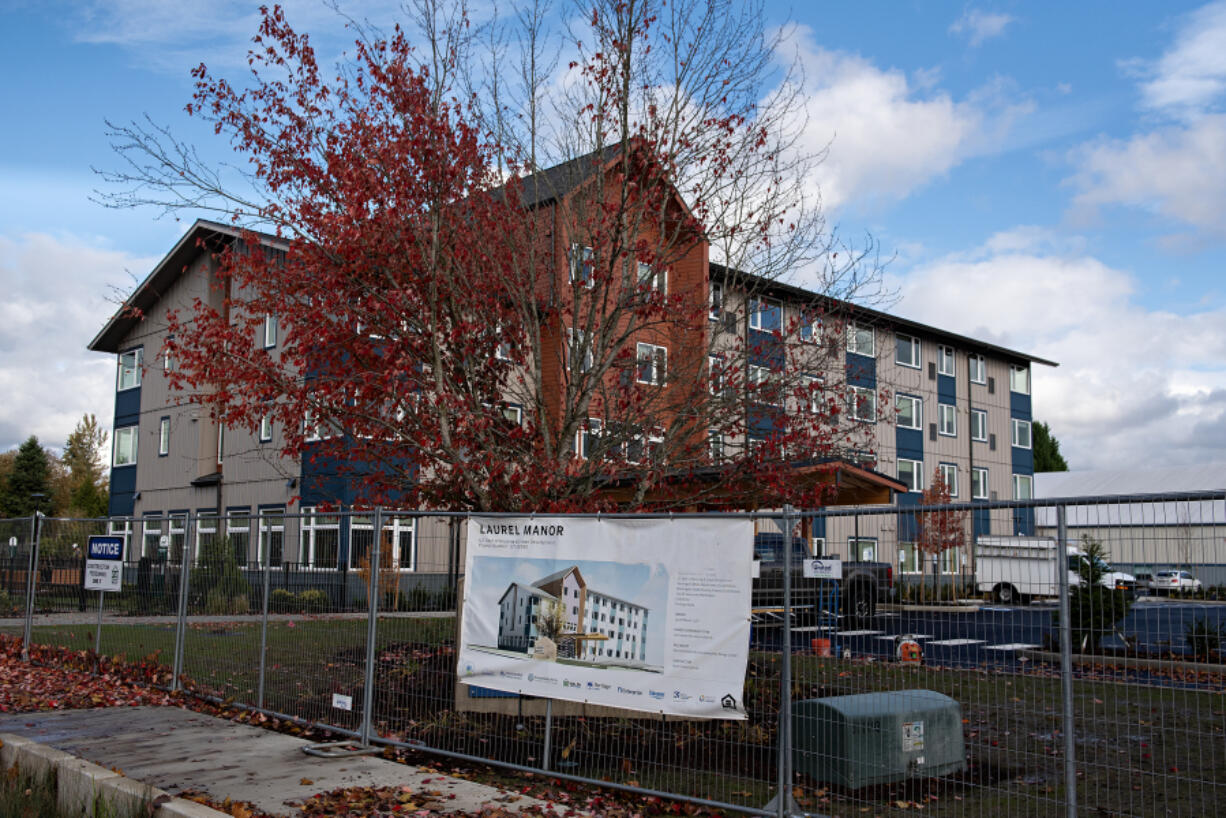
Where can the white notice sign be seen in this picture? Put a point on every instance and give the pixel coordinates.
(644, 614)
(104, 564)
(823, 569)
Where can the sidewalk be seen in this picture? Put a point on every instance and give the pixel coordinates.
(176, 750)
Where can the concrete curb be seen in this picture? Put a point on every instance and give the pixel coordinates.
(1126, 662)
(80, 784)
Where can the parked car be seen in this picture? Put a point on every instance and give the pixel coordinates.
(1166, 581)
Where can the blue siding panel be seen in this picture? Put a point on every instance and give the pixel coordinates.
(765, 349)
(1023, 460)
(981, 522)
(910, 443)
(764, 421)
(818, 527)
(123, 491)
(908, 521)
(127, 407)
(947, 389)
(1023, 522)
(861, 371)
(1019, 405)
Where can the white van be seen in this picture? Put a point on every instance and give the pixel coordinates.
(1016, 569)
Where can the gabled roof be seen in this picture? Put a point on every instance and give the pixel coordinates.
(554, 183)
(166, 273)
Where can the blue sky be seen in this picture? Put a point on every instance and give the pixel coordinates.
(1049, 176)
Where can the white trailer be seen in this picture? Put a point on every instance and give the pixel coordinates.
(1015, 569)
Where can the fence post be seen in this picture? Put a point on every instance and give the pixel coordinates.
(185, 569)
(1066, 662)
(784, 805)
(368, 694)
(266, 550)
(36, 533)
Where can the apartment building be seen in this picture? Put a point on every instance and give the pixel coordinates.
(921, 400)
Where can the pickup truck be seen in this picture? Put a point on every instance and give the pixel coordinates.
(863, 585)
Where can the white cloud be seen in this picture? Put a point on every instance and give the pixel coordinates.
(1178, 172)
(887, 136)
(980, 25)
(57, 300)
(1134, 385)
(1191, 76)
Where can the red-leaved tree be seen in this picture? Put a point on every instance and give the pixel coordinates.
(939, 531)
(460, 328)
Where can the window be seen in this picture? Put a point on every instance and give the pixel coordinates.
(862, 404)
(221, 442)
(580, 347)
(152, 524)
(979, 370)
(206, 532)
(652, 363)
(910, 411)
(163, 437)
(911, 472)
(810, 329)
(716, 304)
(266, 428)
(502, 352)
(715, 374)
(1023, 487)
(589, 437)
(653, 279)
(272, 537)
(1019, 379)
(979, 424)
(238, 530)
(863, 548)
(270, 331)
(582, 266)
(945, 360)
(947, 416)
(812, 394)
(979, 483)
(764, 384)
(121, 528)
(715, 446)
(321, 536)
(909, 558)
(907, 351)
(1021, 433)
(861, 340)
(949, 473)
(765, 314)
(512, 413)
(168, 361)
(125, 446)
(129, 369)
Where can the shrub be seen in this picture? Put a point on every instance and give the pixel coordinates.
(219, 601)
(1203, 637)
(1093, 609)
(420, 599)
(283, 601)
(313, 601)
(6, 602)
(218, 578)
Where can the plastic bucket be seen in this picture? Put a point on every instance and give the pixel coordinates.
(821, 647)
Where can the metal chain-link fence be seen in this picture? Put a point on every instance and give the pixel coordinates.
(900, 658)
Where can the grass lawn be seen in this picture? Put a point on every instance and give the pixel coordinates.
(1140, 749)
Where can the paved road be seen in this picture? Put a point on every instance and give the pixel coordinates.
(996, 635)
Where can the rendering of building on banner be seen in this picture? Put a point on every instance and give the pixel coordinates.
(595, 626)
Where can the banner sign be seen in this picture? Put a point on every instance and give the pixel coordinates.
(644, 614)
(823, 569)
(104, 564)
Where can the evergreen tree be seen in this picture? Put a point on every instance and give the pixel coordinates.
(1047, 455)
(31, 475)
(86, 477)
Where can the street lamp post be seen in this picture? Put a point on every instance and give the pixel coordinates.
(35, 533)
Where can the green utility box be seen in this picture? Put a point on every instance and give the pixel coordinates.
(877, 738)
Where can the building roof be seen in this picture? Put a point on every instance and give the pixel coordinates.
(1107, 483)
(855, 311)
(163, 276)
(553, 183)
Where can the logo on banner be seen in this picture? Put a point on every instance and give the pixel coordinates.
(678, 696)
(628, 692)
(656, 694)
(728, 701)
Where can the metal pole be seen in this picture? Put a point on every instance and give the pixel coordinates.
(548, 734)
(266, 549)
(783, 806)
(368, 695)
(98, 634)
(36, 533)
(1066, 662)
(185, 569)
